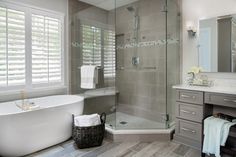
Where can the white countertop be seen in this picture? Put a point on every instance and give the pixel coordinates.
(213, 89)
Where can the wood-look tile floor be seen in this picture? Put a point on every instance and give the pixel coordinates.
(120, 149)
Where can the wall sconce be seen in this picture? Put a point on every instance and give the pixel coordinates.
(192, 32)
(191, 29)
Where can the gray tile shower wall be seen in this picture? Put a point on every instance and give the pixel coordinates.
(143, 92)
(74, 7)
(81, 11)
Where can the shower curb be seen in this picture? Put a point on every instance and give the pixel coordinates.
(140, 135)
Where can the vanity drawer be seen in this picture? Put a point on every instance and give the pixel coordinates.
(194, 97)
(189, 112)
(220, 99)
(188, 129)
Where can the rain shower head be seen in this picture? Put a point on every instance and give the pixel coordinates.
(130, 9)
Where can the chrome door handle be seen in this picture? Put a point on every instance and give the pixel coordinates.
(188, 112)
(228, 100)
(187, 96)
(188, 130)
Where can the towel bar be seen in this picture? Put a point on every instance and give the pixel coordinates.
(98, 67)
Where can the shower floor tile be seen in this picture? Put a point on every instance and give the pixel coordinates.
(124, 121)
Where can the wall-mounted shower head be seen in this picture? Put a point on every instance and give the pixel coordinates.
(134, 11)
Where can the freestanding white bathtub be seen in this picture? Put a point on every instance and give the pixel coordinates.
(25, 132)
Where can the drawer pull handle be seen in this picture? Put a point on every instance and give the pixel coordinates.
(188, 130)
(228, 100)
(187, 96)
(188, 112)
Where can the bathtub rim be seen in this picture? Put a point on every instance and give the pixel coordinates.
(20, 111)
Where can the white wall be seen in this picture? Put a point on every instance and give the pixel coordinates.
(193, 10)
(55, 5)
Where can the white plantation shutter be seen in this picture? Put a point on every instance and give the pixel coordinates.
(98, 47)
(12, 47)
(109, 54)
(46, 49)
(92, 50)
(3, 47)
(31, 48)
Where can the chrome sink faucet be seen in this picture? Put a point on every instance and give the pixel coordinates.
(190, 80)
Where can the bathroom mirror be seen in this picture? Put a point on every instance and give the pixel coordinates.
(217, 44)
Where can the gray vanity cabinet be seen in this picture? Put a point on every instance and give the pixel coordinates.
(226, 100)
(192, 107)
(189, 116)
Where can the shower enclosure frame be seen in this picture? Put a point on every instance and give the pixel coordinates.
(134, 10)
(167, 38)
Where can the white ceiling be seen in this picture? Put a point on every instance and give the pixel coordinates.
(108, 4)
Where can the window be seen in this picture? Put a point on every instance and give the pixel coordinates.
(92, 45)
(46, 49)
(109, 54)
(30, 47)
(12, 47)
(99, 48)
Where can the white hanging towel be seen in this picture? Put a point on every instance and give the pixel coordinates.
(89, 76)
(216, 132)
(87, 120)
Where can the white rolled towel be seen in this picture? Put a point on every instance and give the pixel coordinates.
(87, 120)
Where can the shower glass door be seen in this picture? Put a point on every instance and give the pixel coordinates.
(92, 25)
(135, 46)
(173, 56)
(141, 67)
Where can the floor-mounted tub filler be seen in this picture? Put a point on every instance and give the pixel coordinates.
(24, 132)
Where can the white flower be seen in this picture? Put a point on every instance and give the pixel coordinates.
(195, 69)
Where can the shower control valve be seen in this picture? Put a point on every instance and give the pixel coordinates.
(135, 61)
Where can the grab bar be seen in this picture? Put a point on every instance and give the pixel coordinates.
(138, 68)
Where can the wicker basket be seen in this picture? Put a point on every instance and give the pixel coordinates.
(92, 136)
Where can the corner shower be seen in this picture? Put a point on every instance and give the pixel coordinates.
(136, 45)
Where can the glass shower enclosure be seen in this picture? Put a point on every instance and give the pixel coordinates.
(135, 46)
